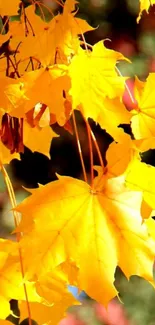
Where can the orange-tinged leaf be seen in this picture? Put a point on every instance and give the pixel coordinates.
(38, 139)
(49, 43)
(33, 39)
(11, 282)
(6, 156)
(20, 30)
(52, 287)
(44, 314)
(12, 96)
(5, 322)
(119, 155)
(67, 28)
(70, 6)
(70, 269)
(9, 8)
(70, 220)
(41, 47)
(145, 144)
(4, 38)
(145, 210)
(47, 86)
(55, 299)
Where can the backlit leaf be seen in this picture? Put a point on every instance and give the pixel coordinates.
(69, 219)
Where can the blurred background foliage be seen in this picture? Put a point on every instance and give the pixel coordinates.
(115, 22)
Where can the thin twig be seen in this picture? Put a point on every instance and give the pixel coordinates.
(79, 148)
(90, 151)
(18, 234)
(97, 148)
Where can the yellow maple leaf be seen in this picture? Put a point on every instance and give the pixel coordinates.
(94, 82)
(6, 156)
(11, 281)
(44, 314)
(47, 86)
(119, 155)
(32, 39)
(145, 144)
(94, 71)
(38, 139)
(48, 293)
(21, 29)
(42, 85)
(49, 42)
(141, 177)
(67, 27)
(143, 119)
(69, 219)
(52, 288)
(9, 8)
(12, 96)
(145, 5)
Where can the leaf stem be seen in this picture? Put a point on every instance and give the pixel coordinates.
(18, 235)
(126, 86)
(90, 150)
(79, 148)
(97, 148)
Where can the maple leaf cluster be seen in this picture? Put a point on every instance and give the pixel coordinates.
(72, 232)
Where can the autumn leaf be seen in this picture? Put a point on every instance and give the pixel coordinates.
(20, 29)
(110, 224)
(71, 232)
(143, 116)
(47, 86)
(48, 293)
(94, 82)
(7, 8)
(145, 144)
(6, 156)
(55, 299)
(11, 281)
(119, 155)
(44, 314)
(33, 38)
(87, 67)
(38, 139)
(66, 29)
(4, 38)
(48, 42)
(5, 322)
(145, 5)
(141, 177)
(12, 96)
